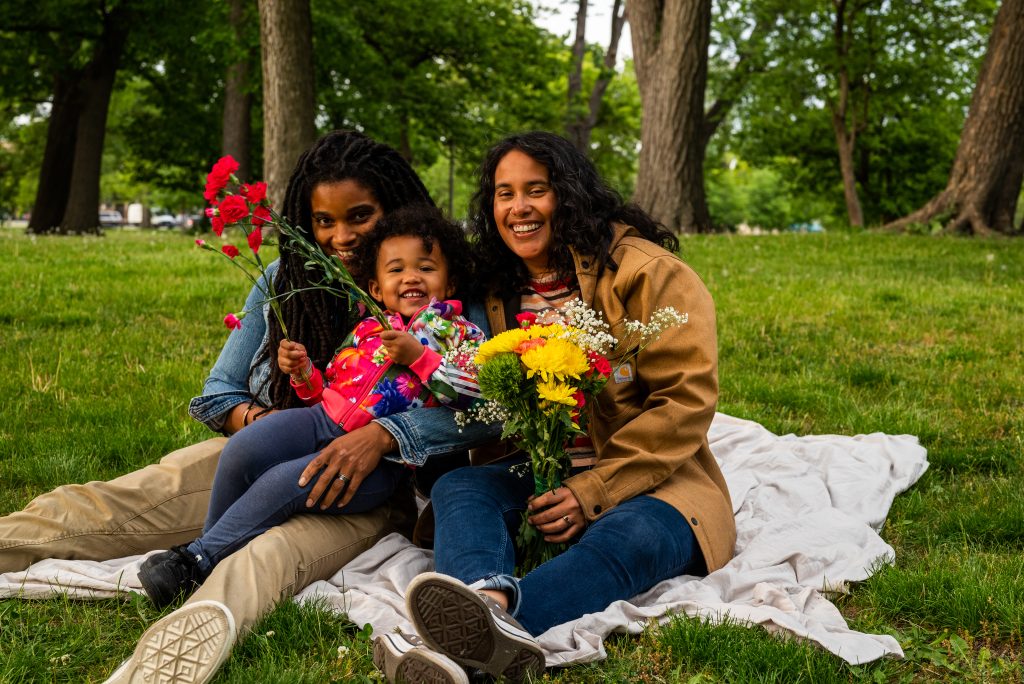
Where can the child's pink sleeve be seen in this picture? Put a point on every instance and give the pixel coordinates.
(312, 391)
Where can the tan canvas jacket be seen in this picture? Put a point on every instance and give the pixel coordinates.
(649, 425)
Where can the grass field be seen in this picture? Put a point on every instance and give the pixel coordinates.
(104, 341)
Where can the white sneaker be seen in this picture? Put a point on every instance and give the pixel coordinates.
(405, 660)
(188, 647)
(471, 628)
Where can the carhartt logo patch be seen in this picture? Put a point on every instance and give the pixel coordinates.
(623, 373)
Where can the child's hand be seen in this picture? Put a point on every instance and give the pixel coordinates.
(292, 358)
(402, 347)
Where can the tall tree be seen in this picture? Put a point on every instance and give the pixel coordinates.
(985, 181)
(428, 76)
(581, 121)
(238, 100)
(909, 76)
(82, 212)
(670, 44)
(286, 39)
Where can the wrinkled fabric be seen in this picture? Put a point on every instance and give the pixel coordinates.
(808, 512)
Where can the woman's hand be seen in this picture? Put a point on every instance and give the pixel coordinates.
(292, 358)
(353, 455)
(402, 347)
(557, 514)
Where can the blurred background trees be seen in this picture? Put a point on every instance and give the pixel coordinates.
(768, 113)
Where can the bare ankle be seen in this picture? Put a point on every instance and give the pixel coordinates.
(498, 595)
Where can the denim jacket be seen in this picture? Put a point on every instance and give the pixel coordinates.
(420, 433)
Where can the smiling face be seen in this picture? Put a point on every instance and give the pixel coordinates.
(524, 206)
(342, 213)
(408, 276)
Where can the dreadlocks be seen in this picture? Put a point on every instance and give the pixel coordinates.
(315, 318)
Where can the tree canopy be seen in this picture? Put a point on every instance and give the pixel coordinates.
(811, 110)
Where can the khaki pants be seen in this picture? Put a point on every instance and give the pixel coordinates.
(165, 504)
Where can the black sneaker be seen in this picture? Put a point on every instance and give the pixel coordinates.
(168, 575)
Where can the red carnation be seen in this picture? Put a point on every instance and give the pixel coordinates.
(233, 209)
(219, 176)
(260, 216)
(217, 223)
(255, 240)
(526, 319)
(233, 322)
(230, 250)
(600, 364)
(255, 192)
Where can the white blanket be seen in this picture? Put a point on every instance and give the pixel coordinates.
(808, 511)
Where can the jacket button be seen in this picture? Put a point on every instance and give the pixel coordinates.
(597, 509)
(585, 264)
(494, 308)
(694, 521)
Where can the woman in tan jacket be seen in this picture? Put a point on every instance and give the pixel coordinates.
(646, 500)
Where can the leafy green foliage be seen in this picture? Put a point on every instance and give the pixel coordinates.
(912, 68)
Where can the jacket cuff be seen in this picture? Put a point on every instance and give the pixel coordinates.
(589, 490)
(426, 364)
(312, 392)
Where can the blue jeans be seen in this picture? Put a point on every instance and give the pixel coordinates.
(257, 481)
(626, 551)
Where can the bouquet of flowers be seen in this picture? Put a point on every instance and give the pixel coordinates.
(246, 205)
(539, 377)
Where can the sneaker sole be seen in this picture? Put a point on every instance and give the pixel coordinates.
(403, 663)
(186, 647)
(453, 619)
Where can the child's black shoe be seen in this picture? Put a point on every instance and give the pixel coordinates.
(167, 575)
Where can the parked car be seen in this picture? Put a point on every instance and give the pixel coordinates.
(163, 221)
(813, 226)
(111, 217)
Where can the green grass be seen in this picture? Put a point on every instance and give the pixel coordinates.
(104, 341)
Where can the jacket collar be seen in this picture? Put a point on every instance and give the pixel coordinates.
(586, 265)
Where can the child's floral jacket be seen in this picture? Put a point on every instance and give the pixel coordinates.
(362, 383)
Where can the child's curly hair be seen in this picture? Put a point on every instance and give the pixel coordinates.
(430, 225)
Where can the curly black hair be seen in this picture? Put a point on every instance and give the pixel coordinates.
(586, 208)
(428, 224)
(315, 318)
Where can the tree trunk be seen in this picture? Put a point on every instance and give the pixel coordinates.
(844, 129)
(985, 181)
(670, 43)
(581, 128)
(576, 72)
(845, 141)
(289, 128)
(58, 156)
(82, 212)
(236, 137)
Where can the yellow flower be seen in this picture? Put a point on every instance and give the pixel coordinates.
(499, 344)
(547, 331)
(557, 392)
(557, 359)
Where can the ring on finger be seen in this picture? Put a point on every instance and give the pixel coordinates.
(345, 479)
(567, 519)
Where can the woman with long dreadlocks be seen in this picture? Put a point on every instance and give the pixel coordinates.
(340, 187)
